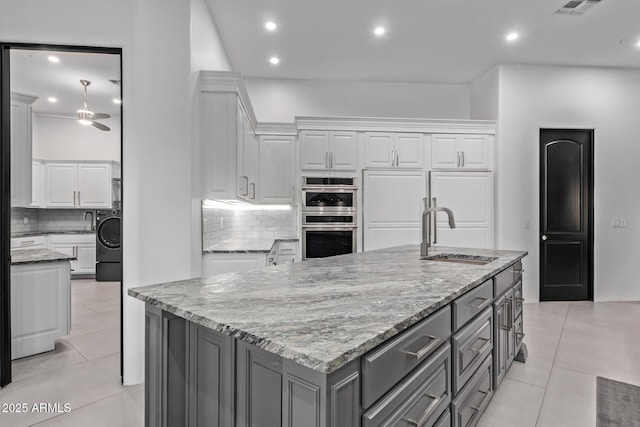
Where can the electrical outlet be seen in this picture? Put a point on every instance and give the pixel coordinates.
(618, 222)
(25, 220)
(527, 223)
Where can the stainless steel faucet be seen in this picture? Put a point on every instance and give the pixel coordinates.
(426, 225)
(93, 223)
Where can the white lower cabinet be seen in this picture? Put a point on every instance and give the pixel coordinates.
(81, 246)
(393, 204)
(218, 263)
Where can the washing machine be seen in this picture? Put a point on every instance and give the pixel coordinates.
(108, 246)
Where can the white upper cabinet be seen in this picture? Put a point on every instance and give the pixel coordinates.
(21, 149)
(277, 169)
(461, 151)
(394, 150)
(78, 185)
(248, 157)
(328, 150)
(37, 176)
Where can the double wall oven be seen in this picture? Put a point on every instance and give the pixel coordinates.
(328, 216)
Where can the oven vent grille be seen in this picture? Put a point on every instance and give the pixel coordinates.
(577, 7)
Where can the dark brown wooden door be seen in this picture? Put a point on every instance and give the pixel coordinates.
(566, 215)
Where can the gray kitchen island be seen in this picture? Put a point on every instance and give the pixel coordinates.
(367, 339)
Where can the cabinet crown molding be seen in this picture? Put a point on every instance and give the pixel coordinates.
(383, 124)
(229, 82)
(21, 97)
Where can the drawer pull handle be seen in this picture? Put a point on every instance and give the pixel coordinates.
(480, 305)
(482, 402)
(421, 421)
(482, 349)
(433, 343)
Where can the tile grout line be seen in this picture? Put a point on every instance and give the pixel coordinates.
(555, 354)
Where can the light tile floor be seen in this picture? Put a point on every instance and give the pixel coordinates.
(569, 345)
(83, 370)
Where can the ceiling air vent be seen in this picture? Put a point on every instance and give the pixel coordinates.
(115, 82)
(577, 7)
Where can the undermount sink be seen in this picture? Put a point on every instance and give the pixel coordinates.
(461, 259)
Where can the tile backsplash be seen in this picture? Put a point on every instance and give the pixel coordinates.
(48, 220)
(223, 224)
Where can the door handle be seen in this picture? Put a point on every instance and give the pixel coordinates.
(544, 237)
(397, 158)
(74, 198)
(79, 199)
(331, 159)
(393, 157)
(435, 222)
(462, 155)
(326, 160)
(458, 161)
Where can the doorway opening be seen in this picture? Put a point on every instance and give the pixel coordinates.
(566, 214)
(61, 198)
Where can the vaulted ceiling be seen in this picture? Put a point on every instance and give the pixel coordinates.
(444, 41)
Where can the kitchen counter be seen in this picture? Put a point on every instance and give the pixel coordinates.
(45, 233)
(244, 245)
(35, 256)
(324, 313)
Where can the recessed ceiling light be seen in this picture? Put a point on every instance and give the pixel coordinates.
(117, 101)
(512, 37)
(274, 60)
(638, 44)
(379, 31)
(52, 99)
(270, 26)
(53, 59)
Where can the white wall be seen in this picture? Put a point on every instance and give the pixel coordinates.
(484, 95)
(56, 138)
(608, 100)
(155, 37)
(207, 53)
(280, 100)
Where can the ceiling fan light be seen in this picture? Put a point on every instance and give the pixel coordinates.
(84, 116)
(85, 122)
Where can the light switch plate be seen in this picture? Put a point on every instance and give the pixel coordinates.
(618, 222)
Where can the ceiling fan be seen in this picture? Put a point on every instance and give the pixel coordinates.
(88, 117)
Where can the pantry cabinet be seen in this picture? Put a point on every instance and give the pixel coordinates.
(79, 185)
(394, 150)
(461, 151)
(21, 149)
(328, 150)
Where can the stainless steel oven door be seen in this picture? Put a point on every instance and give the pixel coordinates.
(328, 200)
(325, 241)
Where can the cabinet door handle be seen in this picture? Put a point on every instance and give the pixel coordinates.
(331, 159)
(422, 420)
(74, 198)
(462, 153)
(433, 343)
(78, 198)
(393, 157)
(458, 160)
(245, 187)
(483, 302)
(482, 349)
(253, 190)
(326, 160)
(397, 158)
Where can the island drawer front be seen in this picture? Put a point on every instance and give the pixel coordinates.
(471, 304)
(384, 366)
(470, 347)
(419, 399)
(444, 420)
(504, 280)
(517, 299)
(474, 398)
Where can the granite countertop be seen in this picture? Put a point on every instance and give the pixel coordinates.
(244, 245)
(34, 256)
(43, 233)
(323, 313)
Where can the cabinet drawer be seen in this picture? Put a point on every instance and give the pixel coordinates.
(287, 248)
(471, 345)
(471, 304)
(444, 420)
(418, 400)
(471, 403)
(517, 299)
(384, 366)
(506, 278)
(31, 242)
(286, 259)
